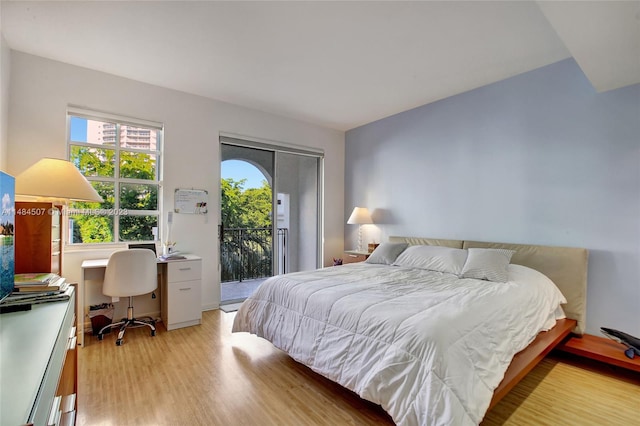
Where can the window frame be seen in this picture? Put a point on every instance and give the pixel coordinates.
(117, 181)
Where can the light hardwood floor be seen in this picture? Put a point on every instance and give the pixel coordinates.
(205, 375)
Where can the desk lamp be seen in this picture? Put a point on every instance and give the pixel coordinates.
(360, 216)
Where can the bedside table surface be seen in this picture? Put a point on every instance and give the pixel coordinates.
(358, 252)
(601, 349)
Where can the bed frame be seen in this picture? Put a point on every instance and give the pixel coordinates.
(566, 267)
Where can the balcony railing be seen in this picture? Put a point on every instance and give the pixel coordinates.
(246, 253)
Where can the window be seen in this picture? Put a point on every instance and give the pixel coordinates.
(121, 158)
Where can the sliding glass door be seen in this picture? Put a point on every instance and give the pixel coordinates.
(298, 208)
(268, 227)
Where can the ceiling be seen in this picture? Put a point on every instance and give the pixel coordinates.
(332, 63)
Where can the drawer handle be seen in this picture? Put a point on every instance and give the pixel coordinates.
(184, 269)
(54, 413)
(73, 343)
(185, 289)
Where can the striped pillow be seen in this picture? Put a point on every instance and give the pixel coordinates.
(487, 264)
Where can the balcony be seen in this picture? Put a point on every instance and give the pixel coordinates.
(247, 260)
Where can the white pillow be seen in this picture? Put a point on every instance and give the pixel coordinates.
(386, 253)
(433, 258)
(487, 264)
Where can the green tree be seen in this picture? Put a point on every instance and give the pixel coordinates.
(231, 204)
(100, 162)
(246, 251)
(245, 208)
(257, 202)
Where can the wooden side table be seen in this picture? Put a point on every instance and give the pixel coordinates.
(601, 349)
(354, 256)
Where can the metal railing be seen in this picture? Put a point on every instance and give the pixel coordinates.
(246, 253)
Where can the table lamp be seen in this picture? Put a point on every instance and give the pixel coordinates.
(360, 216)
(57, 181)
(54, 181)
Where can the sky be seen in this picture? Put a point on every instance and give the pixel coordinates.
(237, 169)
(78, 129)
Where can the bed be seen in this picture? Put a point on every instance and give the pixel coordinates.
(412, 336)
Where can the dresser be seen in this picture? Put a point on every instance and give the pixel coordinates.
(38, 365)
(182, 293)
(37, 238)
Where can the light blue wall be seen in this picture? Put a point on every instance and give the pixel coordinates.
(538, 158)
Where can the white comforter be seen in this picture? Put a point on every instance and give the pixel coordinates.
(428, 347)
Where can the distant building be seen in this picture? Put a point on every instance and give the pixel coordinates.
(101, 133)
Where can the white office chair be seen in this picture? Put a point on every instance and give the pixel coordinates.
(130, 273)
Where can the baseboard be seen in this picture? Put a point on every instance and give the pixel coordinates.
(212, 307)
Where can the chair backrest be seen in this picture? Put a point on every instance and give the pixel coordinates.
(130, 273)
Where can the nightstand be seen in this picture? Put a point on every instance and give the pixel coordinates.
(353, 256)
(601, 349)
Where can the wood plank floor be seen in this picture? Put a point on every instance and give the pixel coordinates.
(205, 375)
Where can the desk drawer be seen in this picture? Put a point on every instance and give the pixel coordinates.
(184, 302)
(184, 270)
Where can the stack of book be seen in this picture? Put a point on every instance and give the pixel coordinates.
(30, 289)
(36, 282)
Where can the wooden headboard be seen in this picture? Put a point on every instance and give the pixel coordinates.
(565, 266)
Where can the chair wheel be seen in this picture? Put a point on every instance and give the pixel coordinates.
(119, 342)
(153, 332)
(100, 336)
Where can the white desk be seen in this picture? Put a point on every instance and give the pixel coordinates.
(167, 274)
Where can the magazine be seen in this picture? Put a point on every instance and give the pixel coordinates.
(34, 278)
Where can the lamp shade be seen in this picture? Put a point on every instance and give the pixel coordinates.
(360, 216)
(56, 179)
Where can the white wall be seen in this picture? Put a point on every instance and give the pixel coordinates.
(42, 89)
(5, 77)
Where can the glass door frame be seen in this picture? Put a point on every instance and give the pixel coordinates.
(280, 147)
